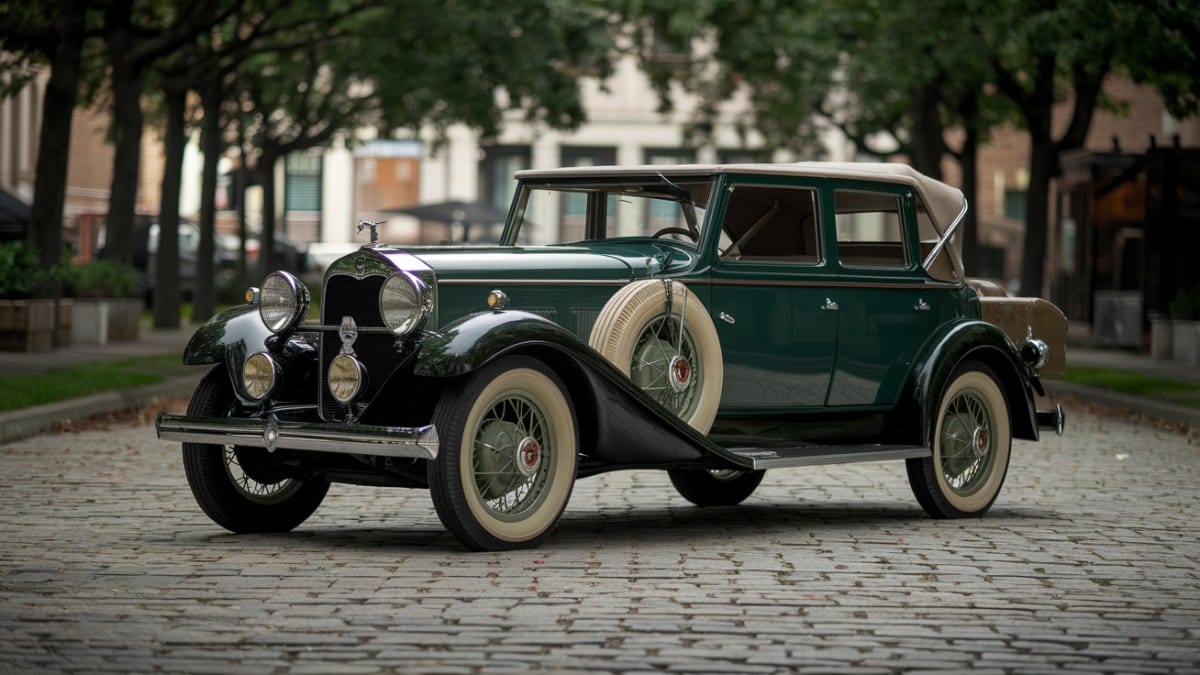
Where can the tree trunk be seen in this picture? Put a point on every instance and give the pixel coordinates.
(928, 143)
(54, 142)
(204, 299)
(127, 141)
(167, 296)
(1043, 159)
(266, 238)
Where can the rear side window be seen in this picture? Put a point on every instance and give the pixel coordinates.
(869, 229)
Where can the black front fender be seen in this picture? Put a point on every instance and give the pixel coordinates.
(618, 423)
(231, 336)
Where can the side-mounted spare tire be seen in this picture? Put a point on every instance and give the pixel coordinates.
(638, 330)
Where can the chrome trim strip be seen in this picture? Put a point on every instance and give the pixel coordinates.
(535, 282)
(769, 459)
(349, 439)
(937, 248)
(321, 327)
(828, 284)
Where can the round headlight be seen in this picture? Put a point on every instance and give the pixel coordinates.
(405, 303)
(346, 376)
(282, 301)
(258, 375)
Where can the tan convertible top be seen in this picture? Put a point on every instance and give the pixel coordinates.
(944, 202)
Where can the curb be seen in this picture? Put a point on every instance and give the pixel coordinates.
(26, 422)
(1112, 399)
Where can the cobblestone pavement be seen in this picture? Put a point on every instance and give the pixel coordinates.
(1089, 562)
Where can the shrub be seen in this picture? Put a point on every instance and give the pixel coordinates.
(22, 275)
(99, 279)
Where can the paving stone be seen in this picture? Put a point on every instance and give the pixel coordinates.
(1085, 564)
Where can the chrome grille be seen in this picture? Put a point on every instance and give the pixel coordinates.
(359, 299)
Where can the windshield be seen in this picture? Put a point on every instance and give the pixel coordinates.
(575, 209)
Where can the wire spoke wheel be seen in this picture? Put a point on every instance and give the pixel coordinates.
(509, 456)
(972, 442)
(244, 489)
(506, 462)
(250, 483)
(666, 368)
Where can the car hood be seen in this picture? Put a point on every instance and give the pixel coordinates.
(622, 262)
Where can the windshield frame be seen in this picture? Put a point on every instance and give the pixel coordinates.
(655, 186)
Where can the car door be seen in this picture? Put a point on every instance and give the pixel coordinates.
(886, 310)
(771, 299)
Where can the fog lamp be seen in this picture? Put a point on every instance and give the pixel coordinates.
(346, 377)
(259, 374)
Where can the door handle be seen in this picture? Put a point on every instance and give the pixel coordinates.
(830, 305)
(726, 318)
(921, 305)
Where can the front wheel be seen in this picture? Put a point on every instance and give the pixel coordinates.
(972, 442)
(242, 489)
(506, 462)
(717, 487)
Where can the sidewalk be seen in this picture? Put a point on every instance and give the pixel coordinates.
(16, 424)
(30, 421)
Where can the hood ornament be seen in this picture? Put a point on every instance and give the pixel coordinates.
(348, 332)
(364, 224)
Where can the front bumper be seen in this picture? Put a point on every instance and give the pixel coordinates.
(272, 433)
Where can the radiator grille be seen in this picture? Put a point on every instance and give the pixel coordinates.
(358, 299)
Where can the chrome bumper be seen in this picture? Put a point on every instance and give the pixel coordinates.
(1052, 419)
(271, 433)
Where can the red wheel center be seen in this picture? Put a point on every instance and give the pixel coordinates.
(681, 371)
(981, 440)
(530, 453)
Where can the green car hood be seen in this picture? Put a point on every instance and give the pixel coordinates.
(609, 262)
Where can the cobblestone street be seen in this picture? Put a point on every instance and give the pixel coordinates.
(1088, 562)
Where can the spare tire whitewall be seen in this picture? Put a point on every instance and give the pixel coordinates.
(638, 331)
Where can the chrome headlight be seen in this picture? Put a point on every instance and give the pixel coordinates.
(259, 374)
(405, 302)
(282, 301)
(1035, 353)
(346, 377)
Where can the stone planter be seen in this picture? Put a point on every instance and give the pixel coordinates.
(100, 321)
(26, 325)
(1160, 337)
(63, 307)
(1185, 341)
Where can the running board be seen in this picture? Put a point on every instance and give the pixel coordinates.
(778, 458)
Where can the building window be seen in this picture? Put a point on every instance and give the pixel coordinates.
(573, 206)
(497, 170)
(1016, 204)
(302, 186)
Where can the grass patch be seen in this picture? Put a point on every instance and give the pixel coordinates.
(1137, 384)
(28, 389)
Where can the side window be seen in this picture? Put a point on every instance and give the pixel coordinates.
(869, 229)
(771, 224)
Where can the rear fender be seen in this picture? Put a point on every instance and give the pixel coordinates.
(958, 342)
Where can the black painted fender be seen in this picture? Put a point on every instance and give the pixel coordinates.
(954, 343)
(618, 423)
(235, 334)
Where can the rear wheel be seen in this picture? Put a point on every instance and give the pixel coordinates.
(717, 487)
(972, 442)
(506, 463)
(242, 489)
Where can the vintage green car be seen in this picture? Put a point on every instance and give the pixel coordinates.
(713, 321)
